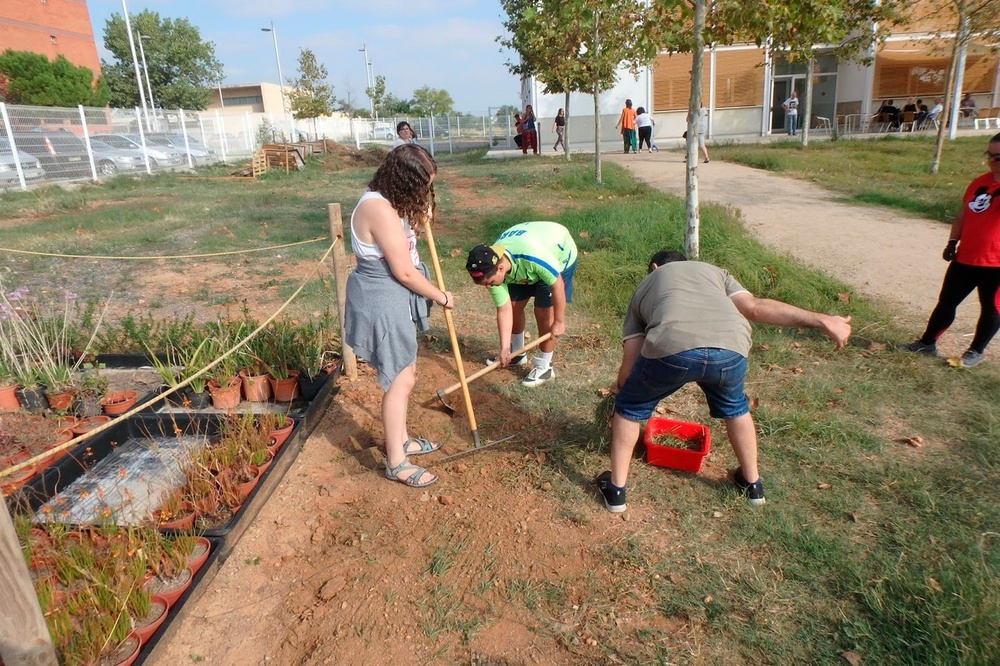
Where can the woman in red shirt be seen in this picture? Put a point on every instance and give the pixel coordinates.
(974, 252)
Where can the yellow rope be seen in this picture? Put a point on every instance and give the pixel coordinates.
(174, 389)
(163, 256)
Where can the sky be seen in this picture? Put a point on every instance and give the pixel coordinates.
(443, 44)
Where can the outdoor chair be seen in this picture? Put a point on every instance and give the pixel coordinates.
(988, 116)
(822, 124)
(880, 122)
(908, 121)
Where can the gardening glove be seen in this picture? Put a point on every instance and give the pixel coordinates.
(949, 250)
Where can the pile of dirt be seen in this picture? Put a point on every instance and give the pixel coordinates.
(338, 156)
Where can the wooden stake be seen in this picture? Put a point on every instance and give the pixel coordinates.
(24, 638)
(340, 275)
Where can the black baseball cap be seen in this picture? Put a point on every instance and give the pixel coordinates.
(482, 262)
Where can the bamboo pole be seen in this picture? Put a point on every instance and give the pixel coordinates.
(24, 638)
(340, 275)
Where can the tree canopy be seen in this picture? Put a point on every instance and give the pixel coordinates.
(182, 67)
(31, 78)
(432, 101)
(310, 95)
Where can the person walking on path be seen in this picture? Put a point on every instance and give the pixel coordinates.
(529, 260)
(689, 321)
(791, 107)
(626, 124)
(529, 131)
(559, 128)
(974, 252)
(389, 292)
(644, 126)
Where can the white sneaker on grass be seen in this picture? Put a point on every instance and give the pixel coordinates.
(538, 376)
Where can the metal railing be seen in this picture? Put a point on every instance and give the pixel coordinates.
(46, 144)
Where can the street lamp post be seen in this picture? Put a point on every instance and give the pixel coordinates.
(369, 78)
(277, 59)
(135, 62)
(149, 87)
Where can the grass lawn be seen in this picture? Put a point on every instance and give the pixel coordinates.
(867, 543)
(888, 171)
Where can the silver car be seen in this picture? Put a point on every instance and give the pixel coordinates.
(200, 153)
(159, 156)
(110, 160)
(30, 166)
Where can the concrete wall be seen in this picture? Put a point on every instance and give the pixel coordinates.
(50, 28)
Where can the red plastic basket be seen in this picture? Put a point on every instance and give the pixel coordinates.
(686, 460)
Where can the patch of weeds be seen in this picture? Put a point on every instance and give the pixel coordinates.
(253, 561)
(443, 557)
(444, 611)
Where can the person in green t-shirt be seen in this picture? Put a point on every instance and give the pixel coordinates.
(529, 260)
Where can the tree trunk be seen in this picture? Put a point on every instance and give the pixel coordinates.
(692, 213)
(597, 98)
(943, 116)
(597, 134)
(809, 104)
(566, 127)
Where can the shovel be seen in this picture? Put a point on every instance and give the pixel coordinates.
(442, 393)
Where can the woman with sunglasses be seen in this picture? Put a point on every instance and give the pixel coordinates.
(974, 252)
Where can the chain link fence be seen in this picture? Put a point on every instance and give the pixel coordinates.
(51, 144)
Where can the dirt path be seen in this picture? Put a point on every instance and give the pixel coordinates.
(884, 254)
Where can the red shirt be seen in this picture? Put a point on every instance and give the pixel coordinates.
(980, 240)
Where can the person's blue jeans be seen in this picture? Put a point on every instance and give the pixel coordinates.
(719, 372)
(792, 120)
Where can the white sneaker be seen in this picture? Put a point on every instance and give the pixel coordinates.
(520, 359)
(538, 376)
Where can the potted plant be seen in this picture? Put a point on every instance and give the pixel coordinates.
(256, 387)
(280, 357)
(315, 355)
(91, 389)
(178, 364)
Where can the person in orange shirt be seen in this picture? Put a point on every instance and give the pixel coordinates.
(626, 124)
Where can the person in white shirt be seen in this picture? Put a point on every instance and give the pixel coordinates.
(404, 134)
(933, 113)
(644, 126)
(791, 107)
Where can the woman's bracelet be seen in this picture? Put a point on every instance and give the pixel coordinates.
(445, 304)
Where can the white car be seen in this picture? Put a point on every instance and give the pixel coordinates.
(30, 166)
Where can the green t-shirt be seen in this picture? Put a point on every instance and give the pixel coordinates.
(686, 305)
(538, 252)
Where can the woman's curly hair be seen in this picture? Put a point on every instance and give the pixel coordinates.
(404, 179)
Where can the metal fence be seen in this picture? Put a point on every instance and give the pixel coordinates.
(46, 144)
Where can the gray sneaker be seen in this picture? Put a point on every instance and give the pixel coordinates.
(971, 357)
(538, 376)
(921, 348)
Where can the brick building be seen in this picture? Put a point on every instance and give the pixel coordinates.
(51, 28)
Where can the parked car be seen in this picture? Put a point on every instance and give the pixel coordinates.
(199, 152)
(159, 156)
(110, 160)
(62, 154)
(382, 130)
(30, 166)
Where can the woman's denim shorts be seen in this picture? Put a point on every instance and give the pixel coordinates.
(719, 373)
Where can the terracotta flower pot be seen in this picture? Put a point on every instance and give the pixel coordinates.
(86, 425)
(199, 555)
(8, 399)
(145, 627)
(255, 387)
(20, 477)
(170, 588)
(281, 435)
(183, 521)
(119, 402)
(60, 401)
(287, 389)
(225, 397)
(125, 654)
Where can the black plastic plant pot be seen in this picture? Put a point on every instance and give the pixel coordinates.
(32, 399)
(309, 387)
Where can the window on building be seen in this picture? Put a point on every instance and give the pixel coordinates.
(739, 80)
(52, 38)
(903, 73)
(243, 101)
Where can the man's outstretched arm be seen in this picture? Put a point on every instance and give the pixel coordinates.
(776, 313)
